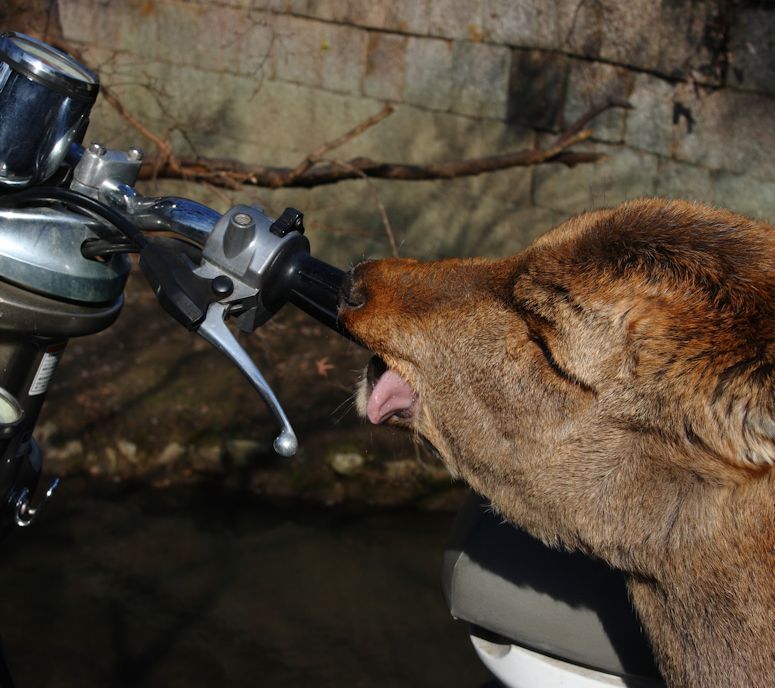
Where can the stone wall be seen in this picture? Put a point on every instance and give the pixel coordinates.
(267, 81)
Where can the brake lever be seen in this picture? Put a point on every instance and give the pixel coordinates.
(201, 298)
(250, 266)
(213, 329)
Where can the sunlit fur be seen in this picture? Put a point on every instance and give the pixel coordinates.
(610, 389)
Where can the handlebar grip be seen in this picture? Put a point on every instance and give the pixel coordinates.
(313, 286)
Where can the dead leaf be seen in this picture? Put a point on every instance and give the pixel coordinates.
(323, 365)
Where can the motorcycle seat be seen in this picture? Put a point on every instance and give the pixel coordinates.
(562, 604)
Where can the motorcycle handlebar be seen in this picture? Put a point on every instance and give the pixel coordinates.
(249, 266)
(309, 284)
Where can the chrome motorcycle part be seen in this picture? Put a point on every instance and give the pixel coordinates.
(100, 167)
(24, 514)
(238, 252)
(243, 246)
(200, 299)
(59, 270)
(187, 219)
(27, 365)
(258, 265)
(45, 100)
(57, 294)
(214, 330)
(47, 195)
(33, 335)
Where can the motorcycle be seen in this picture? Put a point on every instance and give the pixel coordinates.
(69, 218)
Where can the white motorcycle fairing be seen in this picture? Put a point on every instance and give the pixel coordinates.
(541, 617)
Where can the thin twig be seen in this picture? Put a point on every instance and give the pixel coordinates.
(320, 151)
(220, 193)
(382, 210)
(593, 112)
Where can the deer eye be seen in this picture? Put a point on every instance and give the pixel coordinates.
(538, 329)
(543, 347)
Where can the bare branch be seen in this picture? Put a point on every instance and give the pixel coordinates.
(218, 171)
(593, 112)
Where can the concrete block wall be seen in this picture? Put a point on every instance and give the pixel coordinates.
(266, 81)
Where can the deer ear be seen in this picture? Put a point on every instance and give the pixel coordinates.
(743, 406)
(759, 438)
(731, 416)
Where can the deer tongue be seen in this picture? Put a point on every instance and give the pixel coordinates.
(390, 396)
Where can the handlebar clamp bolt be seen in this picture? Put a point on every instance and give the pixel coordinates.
(97, 148)
(135, 153)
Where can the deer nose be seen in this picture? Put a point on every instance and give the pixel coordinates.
(351, 295)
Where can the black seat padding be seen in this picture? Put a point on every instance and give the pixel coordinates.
(562, 604)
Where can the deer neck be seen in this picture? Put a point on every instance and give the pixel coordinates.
(710, 608)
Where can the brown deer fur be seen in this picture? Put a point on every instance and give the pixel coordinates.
(610, 389)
